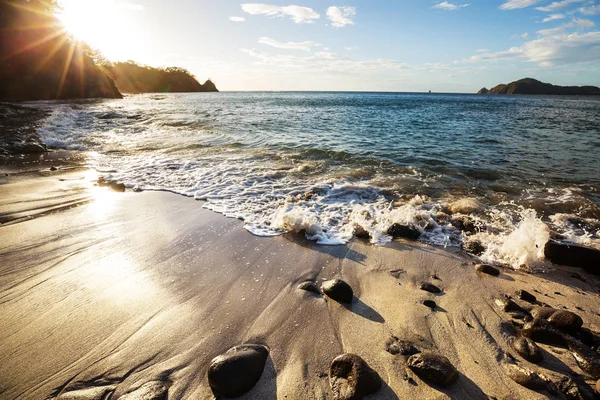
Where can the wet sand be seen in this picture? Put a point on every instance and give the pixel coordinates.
(109, 291)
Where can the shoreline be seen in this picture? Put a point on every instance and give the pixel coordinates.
(105, 292)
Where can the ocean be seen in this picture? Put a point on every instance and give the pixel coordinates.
(501, 174)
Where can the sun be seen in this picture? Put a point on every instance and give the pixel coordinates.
(106, 25)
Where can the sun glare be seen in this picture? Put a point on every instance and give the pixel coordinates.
(106, 25)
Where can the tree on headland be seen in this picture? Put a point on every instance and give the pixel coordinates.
(39, 60)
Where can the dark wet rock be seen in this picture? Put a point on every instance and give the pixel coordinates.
(361, 233)
(402, 347)
(487, 269)
(509, 306)
(527, 349)
(338, 290)
(155, 390)
(103, 182)
(526, 296)
(92, 393)
(525, 377)
(474, 247)
(137, 189)
(237, 371)
(117, 186)
(433, 368)
(464, 223)
(403, 231)
(540, 330)
(429, 287)
(53, 168)
(566, 321)
(351, 378)
(430, 303)
(573, 255)
(397, 272)
(578, 277)
(28, 148)
(587, 359)
(309, 286)
(573, 390)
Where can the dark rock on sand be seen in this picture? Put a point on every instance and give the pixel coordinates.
(397, 272)
(53, 168)
(574, 391)
(573, 256)
(525, 377)
(338, 290)
(237, 371)
(508, 305)
(404, 231)
(155, 390)
(566, 321)
(430, 303)
(540, 330)
(402, 347)
(464, 223)
(487, 269)
(429, 287)
(527, 349)
(433, 368)
(361, 233)
(587, 359)
(351, 378)
(526, 296)
(309, 286)
(117, 186)
(474, 247)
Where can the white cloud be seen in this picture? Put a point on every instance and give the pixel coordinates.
(305, 46)
(449, 6)
(298, 14)
(557, 5)
(341, 16)
(237, 19)
(516, 4)
(482, 51)
(553, 17)
(591, 10)
(575, 23)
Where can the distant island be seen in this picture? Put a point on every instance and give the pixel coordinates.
(533, 86)
(131, 77)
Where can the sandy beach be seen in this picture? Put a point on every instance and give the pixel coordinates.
(103, 292)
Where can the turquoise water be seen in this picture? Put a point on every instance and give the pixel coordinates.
(325, 163)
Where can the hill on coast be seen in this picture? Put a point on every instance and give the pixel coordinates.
(533, 86)
(131, 77)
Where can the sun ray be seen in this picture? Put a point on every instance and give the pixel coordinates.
(66, 69)
(33, 45)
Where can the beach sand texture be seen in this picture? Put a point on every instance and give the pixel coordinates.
(102, 292)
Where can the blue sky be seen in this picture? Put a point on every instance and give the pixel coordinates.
(379, 45)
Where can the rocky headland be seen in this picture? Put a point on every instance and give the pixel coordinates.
(533, 86)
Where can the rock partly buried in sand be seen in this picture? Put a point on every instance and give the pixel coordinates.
(467, 205)
(155, 390)
(237, 371)
(429, 287)
(309, 286)
(117, 186)
(525, 377)
(540, 330)
(487, 269)
(573, 391)
(361, 233)
(93, 393)
(526, 296)
(430, 303)
(566, 321)
(338, 290)
(527, 349)
(573, 255)
(403, 231)
(474, 247)
(351, 378)
(433, 368)
(402, 347)
(509, 306)
(587, 359)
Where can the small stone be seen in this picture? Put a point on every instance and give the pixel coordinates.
(527, 349)
(309, 286)
(487, 269)
(474, 247)
(53, 168)
(542, 331)
(402, 347)
(403, 231)
(351, 378)
(431, 288)
(464, 223)
(117, 186)
(430, 303)
(524, 377)
(338, 290)
(526, 296)
(361, 233)
(467, 205)
(397, 272)
(566, 321)
(237, 371)
(587, 359)
(155, 390)
(508, 305)
(433, 368)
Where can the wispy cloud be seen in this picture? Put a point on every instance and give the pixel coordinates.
(305, 46)
(591, 10)
(553, 17)
(449, 6)
(341, 16)
(237, 19)
(300, 15)
(579, 23)
(558, 5)
(516, 4)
